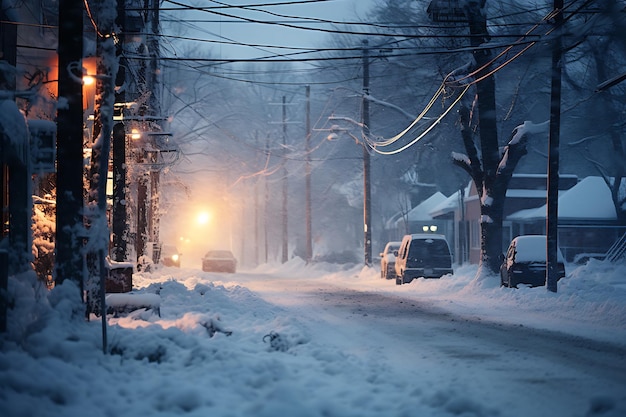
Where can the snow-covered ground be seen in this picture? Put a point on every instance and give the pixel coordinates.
(250, 344)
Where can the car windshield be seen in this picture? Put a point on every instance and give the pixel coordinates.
(427, 248)
(393, 248)
(219, 254)
(169, 250)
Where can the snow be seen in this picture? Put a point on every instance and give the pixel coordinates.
(421, 211)
(584, 200)
(255, 344)
(14, 128)
(527, 128)
(449, 205)
(590, 199)
(532, 248)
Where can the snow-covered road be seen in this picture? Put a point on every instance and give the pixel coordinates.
(497, 365)
(348, 344)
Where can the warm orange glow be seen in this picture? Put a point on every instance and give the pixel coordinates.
(89, 83)
(201, 224)
(203, 217)
(135, 134)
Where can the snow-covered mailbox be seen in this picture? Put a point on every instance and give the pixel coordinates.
(120, 277)
(119, 298)
(43, 144)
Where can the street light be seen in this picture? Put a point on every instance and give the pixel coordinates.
(203, 218)
(364, 125)
(367, 230)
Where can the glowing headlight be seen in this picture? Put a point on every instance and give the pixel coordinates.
(175, 258)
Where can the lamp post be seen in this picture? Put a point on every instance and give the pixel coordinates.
(364, 125)
(367, 242)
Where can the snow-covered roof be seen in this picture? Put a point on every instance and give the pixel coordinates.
(450, 204)
(421, 211)
(590, 199)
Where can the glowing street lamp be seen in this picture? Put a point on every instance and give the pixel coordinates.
(203, 218)
(135, 134)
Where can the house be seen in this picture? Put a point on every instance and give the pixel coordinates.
(418, 219)
(588, 224)
(452, 212)
(525, 191)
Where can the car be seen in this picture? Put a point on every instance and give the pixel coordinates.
(221, 260)
(424, 255)
(388, 260)
(525, 262)
(170, 256)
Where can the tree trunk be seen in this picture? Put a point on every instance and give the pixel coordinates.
(69, 259)
(491, 203)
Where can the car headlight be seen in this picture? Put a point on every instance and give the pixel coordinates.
(175, 258)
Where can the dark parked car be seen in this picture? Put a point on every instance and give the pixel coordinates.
(388, 260)
(423, 255)
(170, 256)
(525, 262)
(219, 261)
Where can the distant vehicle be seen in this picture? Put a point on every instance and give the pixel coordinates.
(525, 262)
(423, 255)
(388, 260)
(219, 261)
(170, 256)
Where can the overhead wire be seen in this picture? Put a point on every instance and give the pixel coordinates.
(431, 127)
(291, 26)
(374, 145)
(91, 19)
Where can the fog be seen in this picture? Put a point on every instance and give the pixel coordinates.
(242, 127)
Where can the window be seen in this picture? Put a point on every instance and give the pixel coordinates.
(474, 234)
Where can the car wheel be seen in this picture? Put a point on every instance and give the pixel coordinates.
(398, 281)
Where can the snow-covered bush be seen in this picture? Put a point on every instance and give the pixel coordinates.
(44, 229)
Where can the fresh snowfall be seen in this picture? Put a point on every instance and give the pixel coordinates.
(321, 340)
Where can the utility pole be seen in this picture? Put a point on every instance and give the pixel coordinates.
(367, 242)
(267, 203)
(285, 187)
(103, 126)
(309, 238)
(119, 224)
(155, 110)
(256, 206)
(552, 215)
(69, 259)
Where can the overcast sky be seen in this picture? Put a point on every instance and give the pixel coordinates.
(217, 25)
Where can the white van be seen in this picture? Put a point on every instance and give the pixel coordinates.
(423, 255)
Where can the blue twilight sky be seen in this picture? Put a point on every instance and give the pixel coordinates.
(224, 24)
